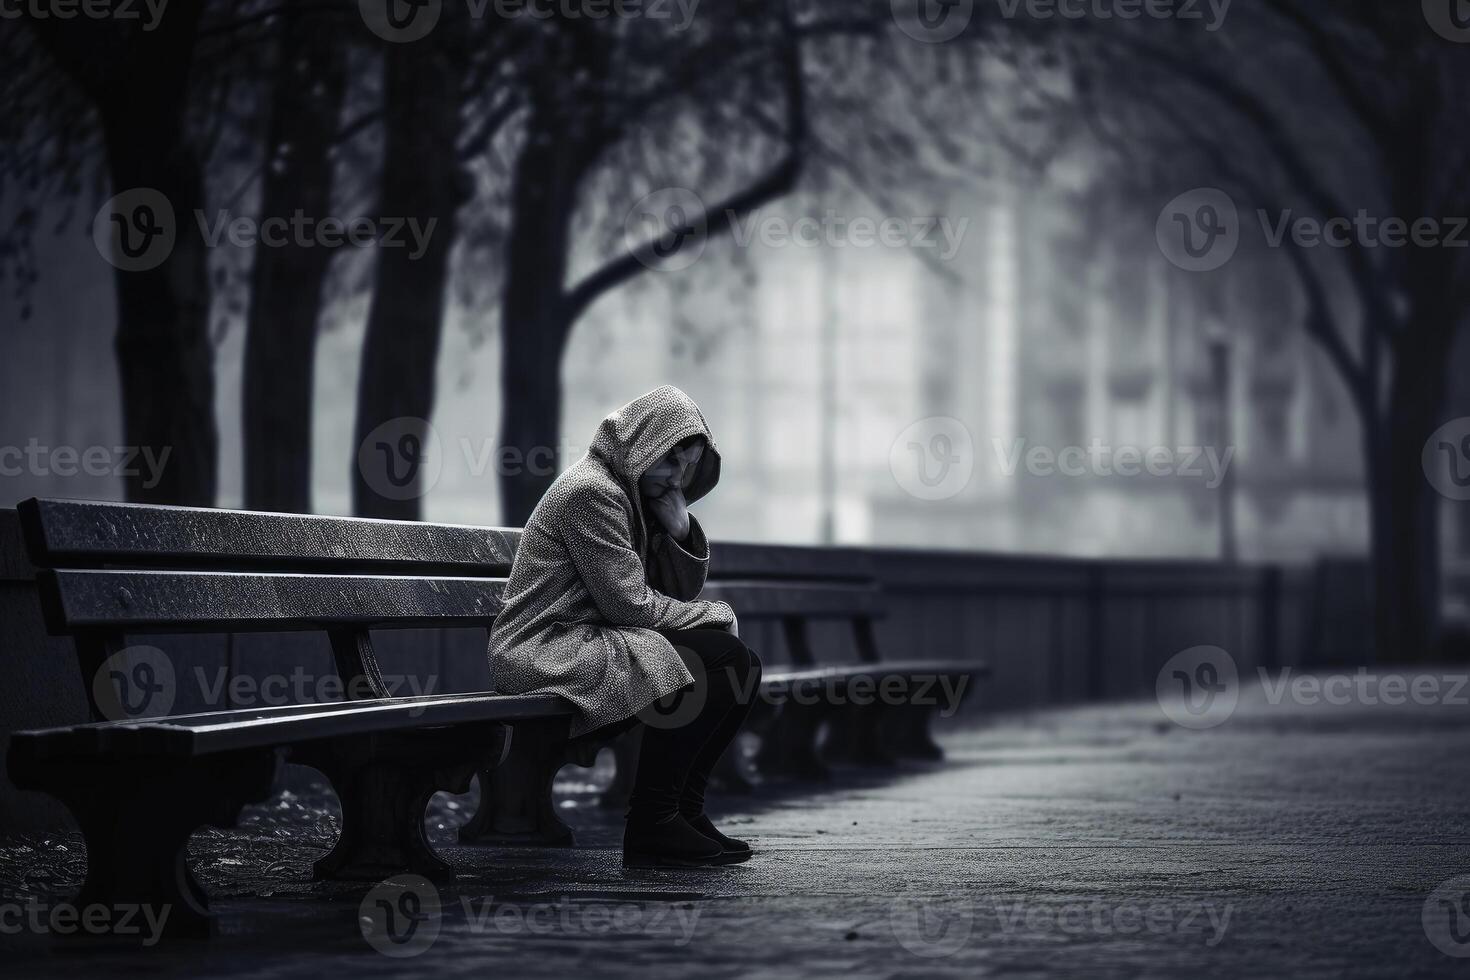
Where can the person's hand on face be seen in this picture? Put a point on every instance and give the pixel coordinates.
(672, 512)
(663, 486)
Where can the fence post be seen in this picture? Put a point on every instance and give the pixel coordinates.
(1097, 636)
(1270, 600)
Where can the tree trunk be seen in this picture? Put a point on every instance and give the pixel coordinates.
(1404, 507)
(421, 180)
(165, 357)
(138, 82)
(534, 324)
(287, 281)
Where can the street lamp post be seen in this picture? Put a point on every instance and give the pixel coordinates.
(1219, 347)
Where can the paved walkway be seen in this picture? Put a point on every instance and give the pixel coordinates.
(1099, 842)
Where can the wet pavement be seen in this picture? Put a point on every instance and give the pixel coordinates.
(1292, 840)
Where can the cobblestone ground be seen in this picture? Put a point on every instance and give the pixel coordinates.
(1098, 842)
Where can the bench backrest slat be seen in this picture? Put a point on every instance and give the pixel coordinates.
(82, 533)
(811, 600)
(741, 560)
(113, 568)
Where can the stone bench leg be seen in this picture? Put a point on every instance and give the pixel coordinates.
(384, 783)
(909, 735)
(856, 735)
(516, 808)
(137, 817)
(789, 748)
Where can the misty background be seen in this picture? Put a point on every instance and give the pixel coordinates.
(1036, 170)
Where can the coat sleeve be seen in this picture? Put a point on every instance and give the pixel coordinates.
(598, 540)
(680, 569)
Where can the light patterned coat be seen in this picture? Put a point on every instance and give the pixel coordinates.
(590, 585)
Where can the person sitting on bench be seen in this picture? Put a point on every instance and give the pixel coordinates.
(603, 589)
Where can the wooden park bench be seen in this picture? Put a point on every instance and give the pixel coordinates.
(139, 787)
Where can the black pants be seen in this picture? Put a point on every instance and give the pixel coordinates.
(682, 743)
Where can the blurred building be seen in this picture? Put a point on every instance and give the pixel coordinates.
(1057, 323)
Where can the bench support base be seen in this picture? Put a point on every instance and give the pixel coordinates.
(516, 808)
(137, 817)
(384, 783)
(789, 746)
(856, 736)
(909, 734)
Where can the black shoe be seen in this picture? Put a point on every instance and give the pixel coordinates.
(670, 843)
(734, 851)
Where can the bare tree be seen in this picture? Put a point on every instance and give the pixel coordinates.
(288, 282)
(137, 83)
(1329, 111)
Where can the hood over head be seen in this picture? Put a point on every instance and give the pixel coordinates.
(634, 437)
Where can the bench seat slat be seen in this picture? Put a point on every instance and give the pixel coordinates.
(223, 731)
(162, 601)
(892, 668)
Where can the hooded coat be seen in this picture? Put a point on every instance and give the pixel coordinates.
(592, 582)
